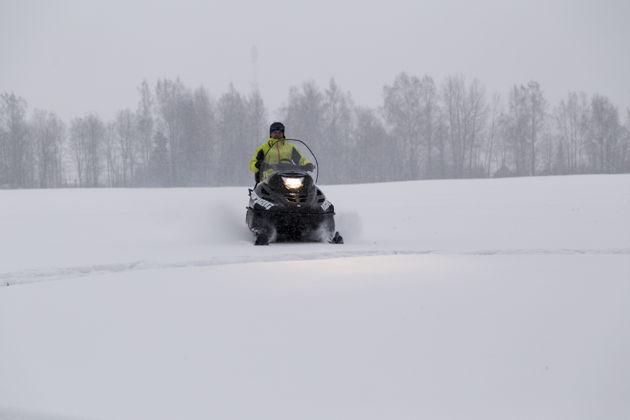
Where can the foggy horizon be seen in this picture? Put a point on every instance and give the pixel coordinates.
(91, 58)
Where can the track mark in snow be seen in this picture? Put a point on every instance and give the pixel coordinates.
(36, 276)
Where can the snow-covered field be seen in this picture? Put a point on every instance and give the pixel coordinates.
(452, 299)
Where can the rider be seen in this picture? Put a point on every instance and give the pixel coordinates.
(275, 150)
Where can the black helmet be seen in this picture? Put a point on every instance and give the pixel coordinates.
(276, 126)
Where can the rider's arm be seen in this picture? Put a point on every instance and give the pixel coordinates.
(299, 157)
(254, 162)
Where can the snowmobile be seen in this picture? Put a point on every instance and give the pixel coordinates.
(287, 205)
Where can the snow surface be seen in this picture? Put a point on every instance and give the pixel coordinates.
(458, 299)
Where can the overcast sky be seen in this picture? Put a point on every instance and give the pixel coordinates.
(74, 57)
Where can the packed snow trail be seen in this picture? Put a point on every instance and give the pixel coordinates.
(62, 273)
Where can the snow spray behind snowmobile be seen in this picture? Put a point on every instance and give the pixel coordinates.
(287, 205)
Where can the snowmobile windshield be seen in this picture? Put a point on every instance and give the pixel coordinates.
(289, 161)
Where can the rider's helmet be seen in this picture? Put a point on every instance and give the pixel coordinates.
(277, 126)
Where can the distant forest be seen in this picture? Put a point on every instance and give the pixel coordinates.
(178, 136)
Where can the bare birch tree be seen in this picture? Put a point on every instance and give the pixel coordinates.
(492, 134)
(48, 132)
(403, 110)
(87, 137)
(571, 119)
(17, 155)
(169, 97)
(127, 141)
(338, 145)
(145, 121)
(466, 116)
(232, 129)
(605, 135)
(537, 113)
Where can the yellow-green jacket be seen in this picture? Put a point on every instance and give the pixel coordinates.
(275, 150)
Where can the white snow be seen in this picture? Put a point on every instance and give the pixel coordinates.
(459, 299)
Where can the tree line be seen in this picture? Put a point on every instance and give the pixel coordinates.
(178, 136)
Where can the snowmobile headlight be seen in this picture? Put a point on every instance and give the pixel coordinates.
(293, 183)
